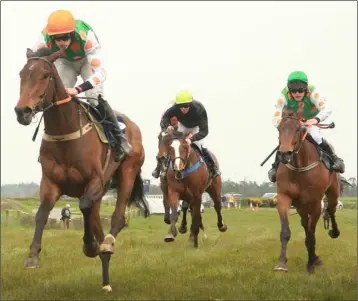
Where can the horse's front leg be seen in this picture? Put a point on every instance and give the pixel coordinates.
(49, 194)
(183, 227)
(196, 220)
(173, 199)
(310, 242)
(283, 207)
(164, 188)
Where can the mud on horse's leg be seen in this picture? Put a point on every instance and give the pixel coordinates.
(49, 194)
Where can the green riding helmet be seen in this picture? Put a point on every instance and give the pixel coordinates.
(297, 76)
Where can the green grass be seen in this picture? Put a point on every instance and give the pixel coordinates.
(236, 265)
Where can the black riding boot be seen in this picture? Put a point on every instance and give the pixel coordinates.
(338, 163)
(272, 171)
(121, 145)
(209, 159)
(156, 171)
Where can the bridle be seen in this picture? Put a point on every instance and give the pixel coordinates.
(39, 107)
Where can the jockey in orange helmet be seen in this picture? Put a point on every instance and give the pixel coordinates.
(82, 57)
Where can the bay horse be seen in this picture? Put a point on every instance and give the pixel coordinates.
(304, 175)
(187, 178)
(76, 159)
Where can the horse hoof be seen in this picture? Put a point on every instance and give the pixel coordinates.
(223, 228)
(333, 234)
(281, 267)
(107, 289)
(32, 262)
(310, 269)
(318, 262)
(183, 230)
(107, 246)
(91, 250)
(169, 238)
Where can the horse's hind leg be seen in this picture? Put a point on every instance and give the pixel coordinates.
(283, 207)
(105, 257)
(214, 191)
(49, 194)
(333, 193)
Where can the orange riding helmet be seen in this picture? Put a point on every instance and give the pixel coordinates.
(60, 22)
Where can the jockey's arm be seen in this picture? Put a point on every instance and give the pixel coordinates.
(203, 128)
(280, 104)
(165, 121)
(94, 55)
(321, 104)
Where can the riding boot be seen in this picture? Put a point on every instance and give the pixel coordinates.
(272, 171)
(156, 171)
(211, 163)
(120, 145)
(338, 163)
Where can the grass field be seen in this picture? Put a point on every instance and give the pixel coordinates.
(236, 265)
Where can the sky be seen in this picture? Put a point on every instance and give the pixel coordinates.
(234, 57)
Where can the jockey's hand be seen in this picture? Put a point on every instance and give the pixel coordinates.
(170, 128)
(310, 122)
(71, 91)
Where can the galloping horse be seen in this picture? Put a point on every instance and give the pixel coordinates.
(76, 159)
(303, 178)
(187, 179)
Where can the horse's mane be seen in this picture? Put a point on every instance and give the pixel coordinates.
(42, 52)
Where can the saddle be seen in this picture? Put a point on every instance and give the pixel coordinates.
(323, 156)
(102, 126)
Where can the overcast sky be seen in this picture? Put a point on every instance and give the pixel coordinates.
(233, 56)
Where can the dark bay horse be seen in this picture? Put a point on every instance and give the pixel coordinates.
(187, 178)
(302, 181)
(75, 160)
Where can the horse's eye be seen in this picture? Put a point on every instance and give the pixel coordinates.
(46, 75)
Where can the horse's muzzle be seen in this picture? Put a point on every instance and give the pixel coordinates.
(179, 175)
(285, 157)
(24, 115)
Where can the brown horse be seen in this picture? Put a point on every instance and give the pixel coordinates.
(302, 181)
(76, 159)
(187, 179)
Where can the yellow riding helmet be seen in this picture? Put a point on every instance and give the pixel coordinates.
(183, 97)
(60, 22)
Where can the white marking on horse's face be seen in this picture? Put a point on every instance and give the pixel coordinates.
(176, 145)
(32, 67)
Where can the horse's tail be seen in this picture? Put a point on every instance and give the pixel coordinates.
(137, 196)
(343, 183)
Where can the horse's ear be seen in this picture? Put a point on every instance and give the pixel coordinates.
(29, 53)
(54, 56)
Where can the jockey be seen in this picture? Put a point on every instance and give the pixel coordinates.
(300, 95)
(82, 57)
(191, 116)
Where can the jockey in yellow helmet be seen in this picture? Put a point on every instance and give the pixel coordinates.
(191, 116)
(82, 57)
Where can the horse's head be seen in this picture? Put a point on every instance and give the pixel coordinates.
(37, 86)
(290, 135)
(178, 147)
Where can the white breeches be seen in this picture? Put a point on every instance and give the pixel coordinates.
(194, 130)
(70, 70)
(316, 133)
